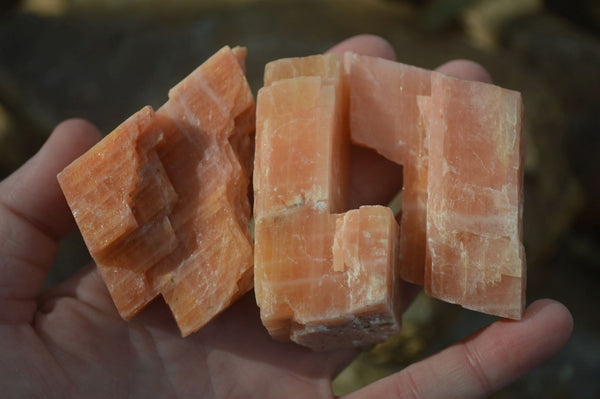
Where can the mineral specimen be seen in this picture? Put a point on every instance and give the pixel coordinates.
(322, 279)
(460, 145)
(162, 201)
(474, 209)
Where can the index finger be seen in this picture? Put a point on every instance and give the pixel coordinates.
(371, 45)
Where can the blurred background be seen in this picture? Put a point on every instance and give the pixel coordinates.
(104, 59)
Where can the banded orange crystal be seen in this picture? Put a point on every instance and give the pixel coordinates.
(323, 279)
(475, 256)
(384, 116)
(460, 145)
(162, 201)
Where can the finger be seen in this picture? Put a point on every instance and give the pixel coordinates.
(245, 314)
(484, 362)
(371, 45)
(374, 180)
(34, 216)
(87, 286)
(465, 69)
(33, 192)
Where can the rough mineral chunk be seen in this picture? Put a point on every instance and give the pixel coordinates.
(323, 180)
(121, 198)
(323, 280)
(474, 208)
(459, 143)
(162, 201)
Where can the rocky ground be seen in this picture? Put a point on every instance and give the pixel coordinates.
(104, 60)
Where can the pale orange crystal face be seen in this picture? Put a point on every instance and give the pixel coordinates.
(162, 201)
(474, 219)
(322, 279)
(460, 144)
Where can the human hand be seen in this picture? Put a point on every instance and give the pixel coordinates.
(70, 341)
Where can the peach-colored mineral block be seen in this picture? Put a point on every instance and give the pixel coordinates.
(121, 199)
(212, 266)
(196, 176)
(323, 280)
(325, 182)
(384, 116)
(474, 207)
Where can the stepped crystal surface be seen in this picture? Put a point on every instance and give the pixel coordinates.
(322, 279)
(162, 201)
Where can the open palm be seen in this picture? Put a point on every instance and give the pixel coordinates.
(70, 341)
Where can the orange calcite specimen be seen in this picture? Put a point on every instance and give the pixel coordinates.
(162, 201)
(459, 143)
(322, 279)
(474, 208)
(108, 189)
(323, 101)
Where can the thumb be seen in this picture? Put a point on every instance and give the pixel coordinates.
(34, 216)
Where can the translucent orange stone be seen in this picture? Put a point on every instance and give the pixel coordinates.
(322, 279)
(162, 201)
(460, 145)
(474, 209)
